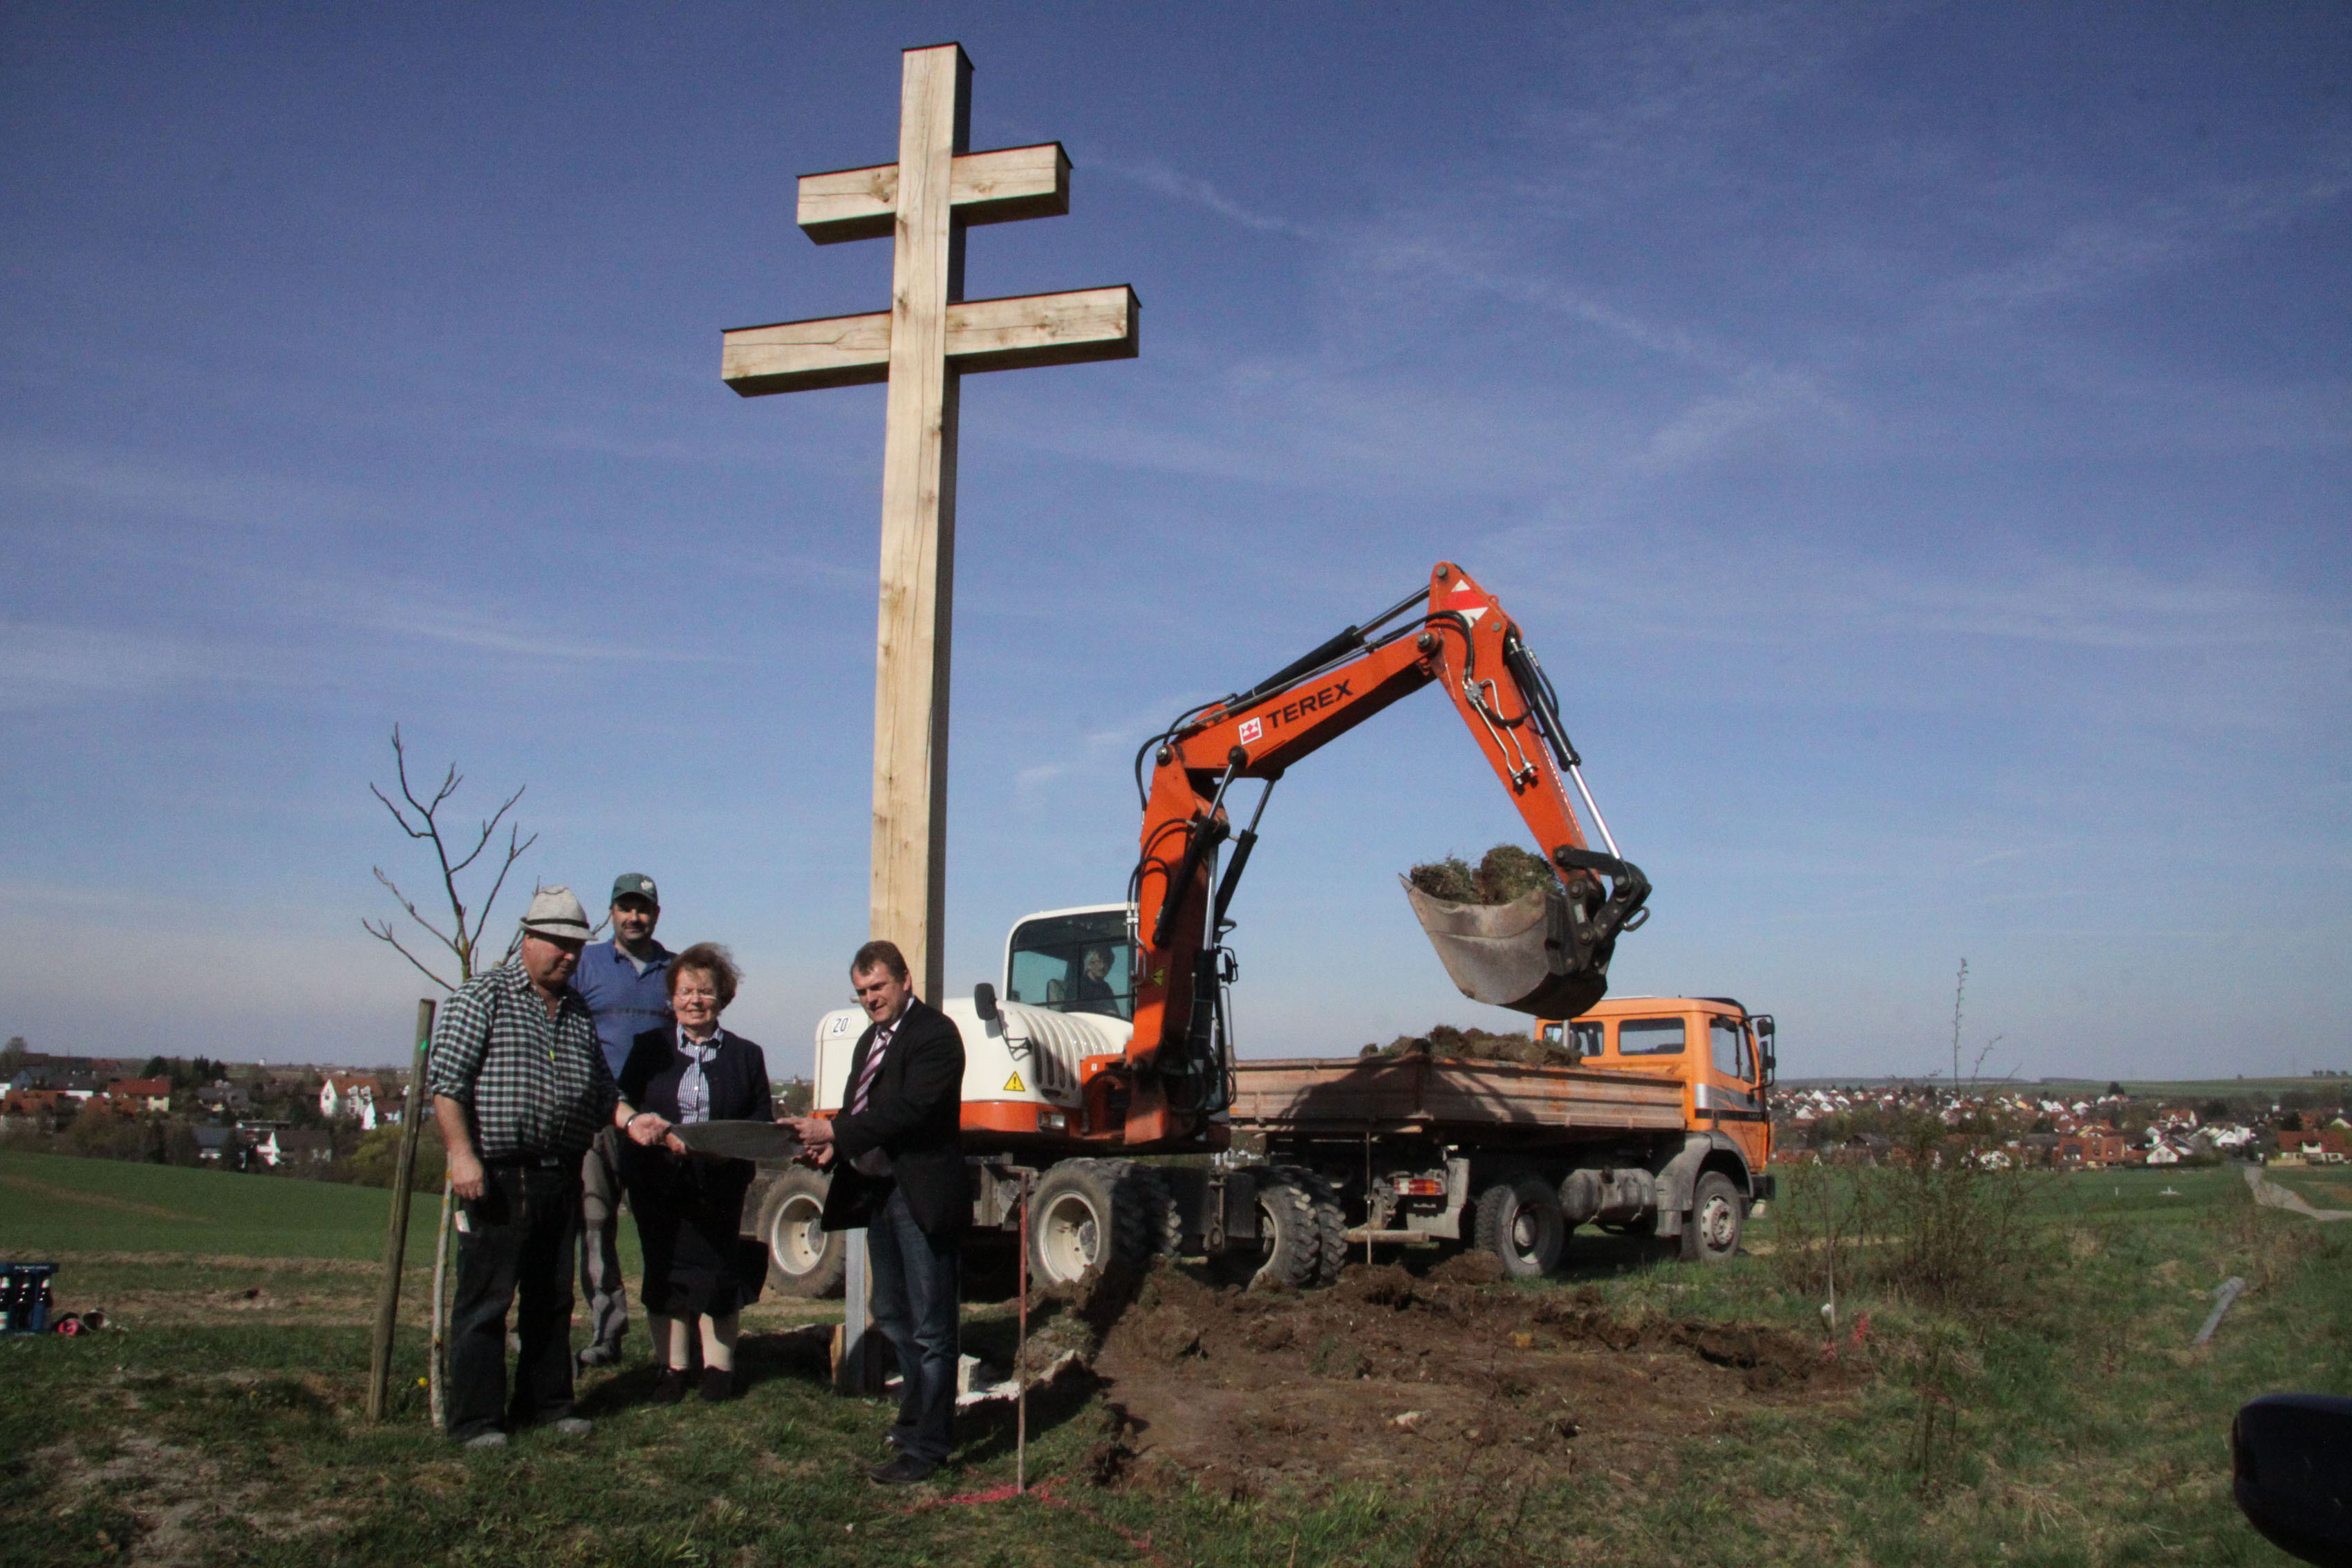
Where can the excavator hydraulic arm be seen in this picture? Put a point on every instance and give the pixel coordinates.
(1547, 954)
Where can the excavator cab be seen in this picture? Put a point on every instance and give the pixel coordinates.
(1074, 961)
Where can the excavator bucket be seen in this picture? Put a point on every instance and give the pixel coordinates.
(1524, 955)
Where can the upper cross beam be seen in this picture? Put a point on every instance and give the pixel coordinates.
(982, 187)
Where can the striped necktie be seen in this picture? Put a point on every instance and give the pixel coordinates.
(873, 1066)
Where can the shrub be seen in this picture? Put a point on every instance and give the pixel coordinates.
(1503, 873)
(1932, 1226)
(375, 1161)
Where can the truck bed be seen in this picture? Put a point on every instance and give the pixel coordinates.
(1442, 1095)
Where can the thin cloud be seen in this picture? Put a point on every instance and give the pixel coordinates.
(1155, 176)
(44, 666)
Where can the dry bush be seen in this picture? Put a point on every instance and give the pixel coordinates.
(1931, 1227)
(1503, 874)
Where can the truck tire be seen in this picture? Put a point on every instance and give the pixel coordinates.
(1089, 1221)
(1717, 1212)
(1519, 1221)
(804, 1260)
(1290, 1250)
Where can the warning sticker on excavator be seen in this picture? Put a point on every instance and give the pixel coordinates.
(1012, 1085)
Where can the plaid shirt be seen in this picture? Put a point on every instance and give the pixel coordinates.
(536, 1086)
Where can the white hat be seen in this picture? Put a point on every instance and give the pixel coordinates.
(555, 913)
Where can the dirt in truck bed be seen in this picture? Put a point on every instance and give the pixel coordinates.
(1387, 1375)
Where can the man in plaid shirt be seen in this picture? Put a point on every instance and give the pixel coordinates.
(519, 1088)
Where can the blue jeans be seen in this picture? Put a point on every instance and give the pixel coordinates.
(918, 1298)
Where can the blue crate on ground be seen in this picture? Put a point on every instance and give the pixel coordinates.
(25, 1297)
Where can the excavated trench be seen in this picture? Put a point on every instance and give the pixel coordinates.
(1386, 1376)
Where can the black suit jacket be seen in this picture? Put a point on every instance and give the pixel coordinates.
(915, 1115)
(737, 1076)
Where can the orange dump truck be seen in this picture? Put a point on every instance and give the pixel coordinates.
(1662, 1127)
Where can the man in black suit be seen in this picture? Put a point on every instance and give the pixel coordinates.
(897, 1151)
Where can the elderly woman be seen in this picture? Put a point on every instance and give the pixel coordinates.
(689, 1209)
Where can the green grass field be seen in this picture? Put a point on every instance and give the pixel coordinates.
(2075, 1426)
(52, 1204)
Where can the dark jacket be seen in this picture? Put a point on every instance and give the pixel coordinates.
(915, 1115)
(738, 1078)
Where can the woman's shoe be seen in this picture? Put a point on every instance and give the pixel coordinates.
(670, 1387)
(718, 1383)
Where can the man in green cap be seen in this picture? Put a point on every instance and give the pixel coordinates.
(625, 983)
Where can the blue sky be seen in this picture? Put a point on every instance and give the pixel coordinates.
(1916, 438)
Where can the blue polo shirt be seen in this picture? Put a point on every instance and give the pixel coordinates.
(623, 1003)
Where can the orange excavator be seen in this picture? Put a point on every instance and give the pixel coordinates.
(1109, 1038)
(1547, 954)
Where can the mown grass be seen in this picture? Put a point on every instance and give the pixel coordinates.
(2072, 1426)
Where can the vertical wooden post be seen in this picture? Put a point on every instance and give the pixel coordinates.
(923, 347)
(396, 1233)
(856, 1368)
(437, 1353)
(918, 465)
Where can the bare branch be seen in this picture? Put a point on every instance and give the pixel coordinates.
(490, 827)
(412, 914)
(420, 819)
(514, 853)
(383, 933)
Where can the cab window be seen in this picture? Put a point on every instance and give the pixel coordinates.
(1650, 1037)
(1584, 1039)
(1728, 1046)
(1073, 964)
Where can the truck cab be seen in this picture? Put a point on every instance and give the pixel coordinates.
(1721, 1053)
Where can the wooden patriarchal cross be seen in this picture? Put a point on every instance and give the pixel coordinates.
(921, 346)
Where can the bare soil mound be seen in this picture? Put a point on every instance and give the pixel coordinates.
(1386, 1376)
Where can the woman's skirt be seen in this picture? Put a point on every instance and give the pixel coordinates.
(689, 1220)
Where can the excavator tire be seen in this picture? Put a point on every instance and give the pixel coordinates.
(1290, 1250)
(1162, 1221)
(1519, 1221)
(1330, 1223)
(1089, 1225)
(1717, 1214)
(804, 1260)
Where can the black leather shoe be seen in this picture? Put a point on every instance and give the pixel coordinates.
(670, 1387)
(718, 1385)
(903, 1471)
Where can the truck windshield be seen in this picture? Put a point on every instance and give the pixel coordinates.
(1073, 964)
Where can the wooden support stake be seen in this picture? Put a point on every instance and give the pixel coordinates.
(437, 1354)
(395, 1232)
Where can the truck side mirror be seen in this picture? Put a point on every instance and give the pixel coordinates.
(983, 1002)
(1765, 1055)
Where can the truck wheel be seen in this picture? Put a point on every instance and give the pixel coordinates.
(1289, 1248)
(1711, 1230)
(804, 1260)
(1088, 1222)
(1519, 1222)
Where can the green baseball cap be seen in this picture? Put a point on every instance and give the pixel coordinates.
(635, 885)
